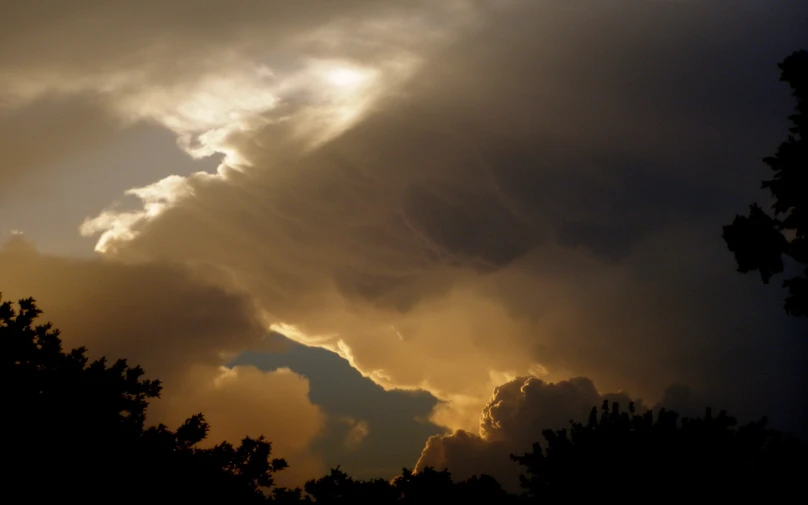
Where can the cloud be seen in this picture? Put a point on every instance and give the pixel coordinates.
(181, 330)
(511, 421)
(512, 213)
(526, 186)
(74, 78)
(356, 435)
(682, 399)
(205, 68)
(520, 410)
(37, 137)
(243, 401)
(397, 420)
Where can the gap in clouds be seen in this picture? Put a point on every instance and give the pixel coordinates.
(396, 422)
(49, 208)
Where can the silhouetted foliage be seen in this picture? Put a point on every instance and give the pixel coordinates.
(426, 487)
(709, 457)
(74, 429)
(760, 240)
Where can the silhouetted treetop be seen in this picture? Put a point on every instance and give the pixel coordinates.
(760, 240)
(74, 429)
(699, 457)
(425, 487)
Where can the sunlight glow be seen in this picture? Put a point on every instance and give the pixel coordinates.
(345, 77)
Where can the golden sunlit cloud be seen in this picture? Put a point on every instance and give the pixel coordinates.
(345, 77)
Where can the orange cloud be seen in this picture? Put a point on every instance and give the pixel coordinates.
(180, 330)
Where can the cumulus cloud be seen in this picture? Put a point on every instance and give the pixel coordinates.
(497, 189)
(244, 400)
(180, 330)
(520, 410)
(511, 421)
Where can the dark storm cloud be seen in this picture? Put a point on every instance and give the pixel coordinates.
(549, 190)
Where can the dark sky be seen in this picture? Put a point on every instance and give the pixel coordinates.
(430, 200)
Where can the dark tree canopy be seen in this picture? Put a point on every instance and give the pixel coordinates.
(75, 430)
(426, 487)
(761, 240)
(624, 453)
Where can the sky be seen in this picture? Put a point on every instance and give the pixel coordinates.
(393, 234)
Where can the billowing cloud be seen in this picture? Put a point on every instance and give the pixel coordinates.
(454, 194)
(535, 198)
(511, 421)
(244, 400)
(181, 330)
(521, 409)
(205, 68)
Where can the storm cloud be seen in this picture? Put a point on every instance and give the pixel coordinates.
(453, 195)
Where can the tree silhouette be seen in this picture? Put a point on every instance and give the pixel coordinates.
(709, 457)
(338, 488)
(760, 240)
(426, 487)
(75, 430)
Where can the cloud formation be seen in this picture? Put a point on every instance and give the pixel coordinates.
(520, 410)
(552, 213)
(522, 188)
(511, 421)
(181, 330)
